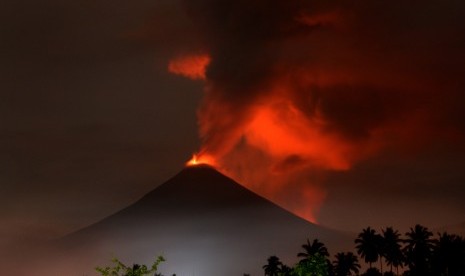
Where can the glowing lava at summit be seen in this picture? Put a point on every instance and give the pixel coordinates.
(201, 159)
(291, 96)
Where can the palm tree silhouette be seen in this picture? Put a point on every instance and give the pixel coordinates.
(448, 257)
(418, 250)
(392, 248)
(331, 268)
(311, 249)
(273, 267)
(346, 263)
(314, 265)
(285, 270)
(368, 245)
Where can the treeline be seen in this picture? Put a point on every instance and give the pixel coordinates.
(417, 253)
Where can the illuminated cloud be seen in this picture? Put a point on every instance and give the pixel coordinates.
(299, 87)
(192, 66)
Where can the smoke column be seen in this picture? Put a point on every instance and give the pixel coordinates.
(297, 89)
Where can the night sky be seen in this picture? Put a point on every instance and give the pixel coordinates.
(349, 114)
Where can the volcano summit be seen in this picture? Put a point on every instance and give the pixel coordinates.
(203, 223)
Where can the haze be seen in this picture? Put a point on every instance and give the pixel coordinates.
(348, 114)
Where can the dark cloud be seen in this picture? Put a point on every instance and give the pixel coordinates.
(369, 64)
(425, 187)
(90, 119)
(356, 78)
(380, 59)
(239, 36)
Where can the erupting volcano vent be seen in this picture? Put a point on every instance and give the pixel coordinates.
(199, 160)
(297, 89)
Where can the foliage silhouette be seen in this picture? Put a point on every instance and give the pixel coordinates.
(421, 255)
(120, 269)
(273, 267)
(286, 271)
(316, 247)
(368, 245)
(448, 256)
(346, 263)
(392, 250)
(418, 250)
(315, 265)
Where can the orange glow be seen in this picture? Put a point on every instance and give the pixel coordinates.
(200, 159)
(302, 94)
(282, 130)
(274, 147)
(192, 66)
(271, 148)
(271, 145)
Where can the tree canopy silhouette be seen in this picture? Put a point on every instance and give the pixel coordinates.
(448, 256)
(310, 249)
(418, 250)
(273, 267)
(368, 245)
(421, 255)
(120, 269)
(392, 248)
(345, 263)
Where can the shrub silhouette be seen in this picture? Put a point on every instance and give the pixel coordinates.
(120, 269)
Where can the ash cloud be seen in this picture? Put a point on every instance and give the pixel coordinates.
(350, 78)
(369, 64)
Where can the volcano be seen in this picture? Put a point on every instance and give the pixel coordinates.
(203, 223)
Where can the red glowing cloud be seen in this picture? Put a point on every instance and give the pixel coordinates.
(191, 66)
(282, 130)
(297, 89)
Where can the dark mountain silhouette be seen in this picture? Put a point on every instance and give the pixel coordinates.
(203, 223)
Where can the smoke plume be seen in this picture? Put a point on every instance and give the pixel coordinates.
(295, 89)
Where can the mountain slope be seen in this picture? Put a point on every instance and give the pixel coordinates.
(203, 223)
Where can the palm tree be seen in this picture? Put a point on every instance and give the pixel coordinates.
(285, 270)
(392, 248)
(418, 250)
(368, 245)
(314, 265)
(448, 257)
(273, 267)
(331, 268)
(311, 249)
(345, 263)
